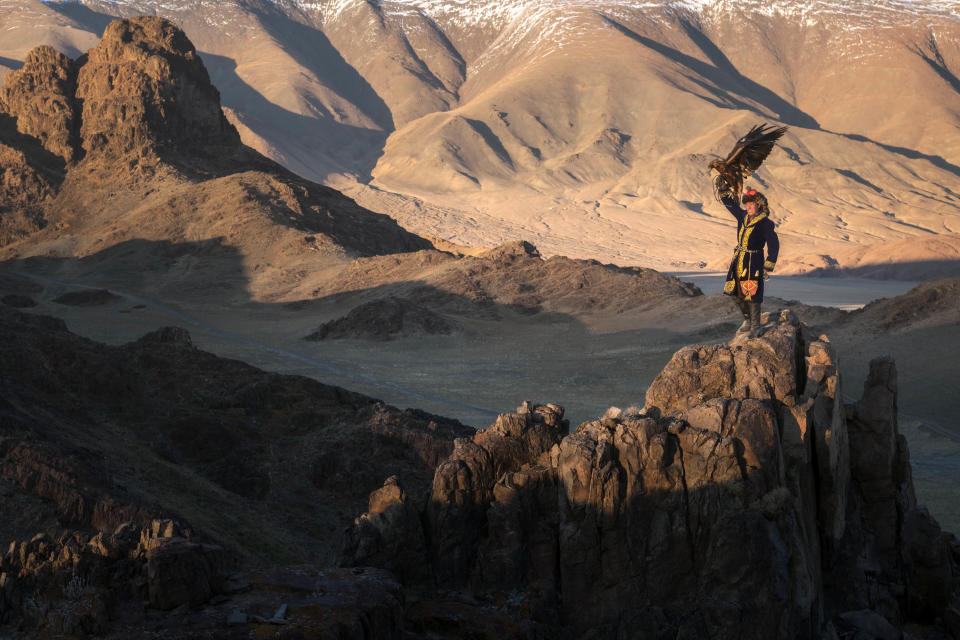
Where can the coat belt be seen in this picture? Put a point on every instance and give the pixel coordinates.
(740, 249)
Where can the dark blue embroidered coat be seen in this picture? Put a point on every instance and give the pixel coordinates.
(748, 264)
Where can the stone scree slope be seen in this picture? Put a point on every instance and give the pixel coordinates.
(746, 500)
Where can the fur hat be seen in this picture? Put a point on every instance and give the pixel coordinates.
(752, 195)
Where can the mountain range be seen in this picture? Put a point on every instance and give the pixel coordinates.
(586, 127)
(153, 488)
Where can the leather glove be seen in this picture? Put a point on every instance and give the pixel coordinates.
(722, 187)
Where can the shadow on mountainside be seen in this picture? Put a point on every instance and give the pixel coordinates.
(731, 89)
(159, 274)
(913, 154)
(346, 146)
(10, 63)
(719, 76)
(312, 49)
(787, 113)
(48, 165)
(856, 177)
(84, 16)
(934, 58)
(483, 130)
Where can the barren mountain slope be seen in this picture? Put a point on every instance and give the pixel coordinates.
(152, 192)
(127, 154)
(624, 116)
(586, 127)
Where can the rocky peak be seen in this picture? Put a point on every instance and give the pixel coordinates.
(39, 96)
(745, 500)
(145, 90)
(37, 138)
(141, 95)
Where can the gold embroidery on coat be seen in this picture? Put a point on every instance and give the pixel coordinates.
(743, 241)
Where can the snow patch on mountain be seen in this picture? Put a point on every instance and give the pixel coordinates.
(562, 15)
(500, 13)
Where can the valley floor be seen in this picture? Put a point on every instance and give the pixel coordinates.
(585, 363)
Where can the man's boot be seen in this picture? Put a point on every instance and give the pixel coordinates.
(755, 329)
(745, 310)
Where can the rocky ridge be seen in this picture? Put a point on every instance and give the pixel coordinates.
(437, 293)
(745, 500)
(155, 477)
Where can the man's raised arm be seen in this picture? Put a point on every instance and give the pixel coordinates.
(729, 199)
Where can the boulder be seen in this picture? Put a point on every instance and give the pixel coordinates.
(390, 534)
(181, 572)
(386, 319)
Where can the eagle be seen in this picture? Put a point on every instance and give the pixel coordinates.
(748, 154)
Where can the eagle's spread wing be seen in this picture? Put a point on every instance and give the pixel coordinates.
(746, 157)
(752, 149)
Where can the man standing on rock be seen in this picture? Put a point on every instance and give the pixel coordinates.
(748, 268)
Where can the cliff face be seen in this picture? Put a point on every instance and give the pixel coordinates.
(40, 97)
(139, 96)
(37, 120)
(144, 90)
(746, 500)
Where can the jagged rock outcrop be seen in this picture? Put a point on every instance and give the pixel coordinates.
(97, 441)
(130, 141)
(145, 91)
(744, 501)
(67, 585)
(38, 118)
(40, 98)
(77, 489)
